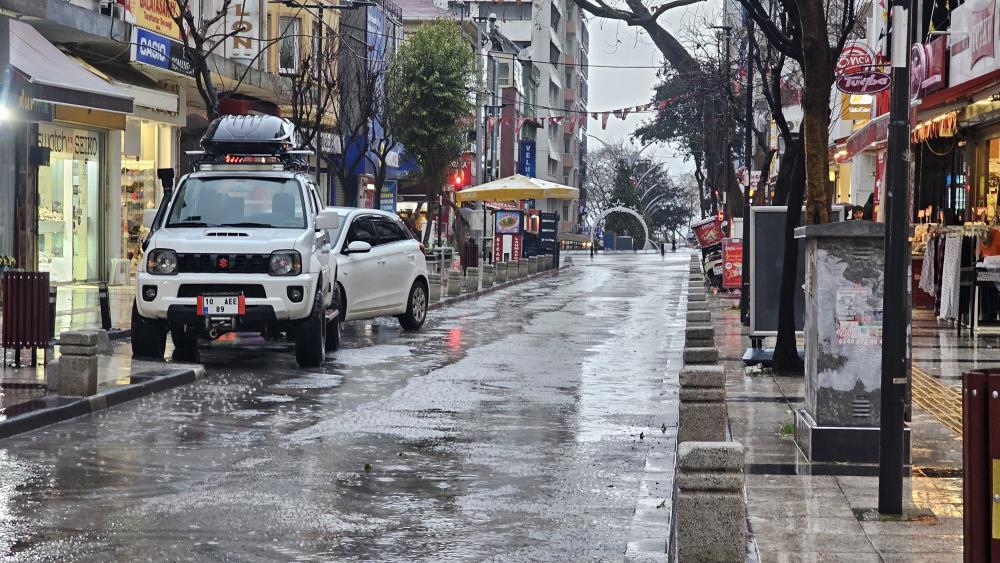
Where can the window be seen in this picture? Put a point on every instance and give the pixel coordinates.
(387, 231)
(288, 55)
(362, 229)
(555, 17)
(239, 202)
(553, 53)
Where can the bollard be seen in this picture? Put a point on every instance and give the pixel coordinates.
(694, 317)
(698, 306)
(501, 273)
(77, 373)
(53, 294)
(699, 336)
(488, 275)
(702, 411)
(533, 265)
(454, 283)
(522, 268)
(471, 279)
(709, 508)
(696, 296)
(701, 355)
(433, 287)
(105, 302)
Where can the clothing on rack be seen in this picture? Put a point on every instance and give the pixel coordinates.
(927, 271)
(949, 307)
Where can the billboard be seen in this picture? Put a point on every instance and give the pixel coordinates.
(526, 157)
(387, 196)
(154, 15)
(507, 222)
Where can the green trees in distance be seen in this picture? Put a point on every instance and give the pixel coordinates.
(430, 80)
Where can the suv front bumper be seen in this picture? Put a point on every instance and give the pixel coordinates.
(267, 297)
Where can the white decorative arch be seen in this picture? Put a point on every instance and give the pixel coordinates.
(629, 211)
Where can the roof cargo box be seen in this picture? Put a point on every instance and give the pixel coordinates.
(249, 134)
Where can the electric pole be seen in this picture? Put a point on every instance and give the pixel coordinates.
(748, 164)
(897, 256)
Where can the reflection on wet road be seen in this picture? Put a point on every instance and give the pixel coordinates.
(507, 429)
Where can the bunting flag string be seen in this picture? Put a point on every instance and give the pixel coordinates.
(578, 120)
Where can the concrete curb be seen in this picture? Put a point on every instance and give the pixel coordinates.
(64, 408)
(468, 296)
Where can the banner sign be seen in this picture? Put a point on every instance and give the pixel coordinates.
(243, 21)
(526, 157)
(547, 232)
(149, 48)
(154, 15)
(507, 222)
(497, 249)
(387, 196)
(515, 247)
(732, 263)
(708, 232)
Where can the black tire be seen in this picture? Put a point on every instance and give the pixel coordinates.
(310, 338)
(149, 336)
(333, 327)
(185, 345)
(416, 308)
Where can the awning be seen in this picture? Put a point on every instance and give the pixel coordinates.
(874, 132)
(56, 78)
(516, 188)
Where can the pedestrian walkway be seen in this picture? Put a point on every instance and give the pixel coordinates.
(797, 513)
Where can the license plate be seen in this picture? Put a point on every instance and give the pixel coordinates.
(221, 305)
(717, 270)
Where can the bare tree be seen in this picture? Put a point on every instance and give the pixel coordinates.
(312, 93)
(200, 41)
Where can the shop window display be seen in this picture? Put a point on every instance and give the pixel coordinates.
(69, 204)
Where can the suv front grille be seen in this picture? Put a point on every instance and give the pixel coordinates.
(212, 263)
(249, 290)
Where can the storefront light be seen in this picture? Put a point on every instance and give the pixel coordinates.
(4, 113)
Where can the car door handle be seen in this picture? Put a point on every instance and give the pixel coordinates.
(381, 261)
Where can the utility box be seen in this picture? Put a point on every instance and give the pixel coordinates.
(843, 343)
(981, 464)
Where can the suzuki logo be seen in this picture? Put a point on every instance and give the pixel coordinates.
(223, 263)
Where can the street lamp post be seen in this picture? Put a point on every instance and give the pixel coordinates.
(897, 253)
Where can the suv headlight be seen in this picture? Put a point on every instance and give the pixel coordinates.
(285, 263)
(161, 262)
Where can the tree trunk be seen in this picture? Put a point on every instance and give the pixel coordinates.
(791, 180)
(818, 70)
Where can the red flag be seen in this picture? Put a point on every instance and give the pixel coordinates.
(555, 120)
(518, 125)
(604, 119)
(571, 124)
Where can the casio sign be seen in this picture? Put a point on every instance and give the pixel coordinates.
(152, 49)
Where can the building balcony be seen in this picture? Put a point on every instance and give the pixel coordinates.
(571, 27)
(567, 160)
(569, 95)
(569, 59)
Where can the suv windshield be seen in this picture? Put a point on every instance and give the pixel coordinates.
(239, 202)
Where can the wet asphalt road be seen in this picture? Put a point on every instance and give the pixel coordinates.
(507, 429)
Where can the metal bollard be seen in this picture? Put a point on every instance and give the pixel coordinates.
(53, 294)
(104, 300)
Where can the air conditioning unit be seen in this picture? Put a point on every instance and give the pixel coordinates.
(113, 8)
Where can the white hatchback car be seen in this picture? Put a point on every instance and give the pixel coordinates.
(381, 268)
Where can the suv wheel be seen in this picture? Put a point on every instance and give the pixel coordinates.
(149, 336)
(310, 338)
(416, 308)
(185, 344)
(333, 327)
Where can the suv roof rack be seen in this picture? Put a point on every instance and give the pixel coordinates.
(250, 141)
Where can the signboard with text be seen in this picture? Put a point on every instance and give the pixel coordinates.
(154, 15)
(515, 247)
(242, 24)
(507, 222)
(732, 263)
(152, 49)
(387, 196)
(973, 52)
(526, 157)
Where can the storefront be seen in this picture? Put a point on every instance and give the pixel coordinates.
(64, 194)
(71, 212)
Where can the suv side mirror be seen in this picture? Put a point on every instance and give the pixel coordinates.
(358, 247)
(327, 220)
(148, 216)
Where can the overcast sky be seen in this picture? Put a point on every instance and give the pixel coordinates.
(614, 43)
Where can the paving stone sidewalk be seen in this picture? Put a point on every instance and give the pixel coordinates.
(797, 516)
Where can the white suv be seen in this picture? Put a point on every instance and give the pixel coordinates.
(381, 270)
(242, 245)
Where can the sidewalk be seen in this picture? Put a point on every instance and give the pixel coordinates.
(797, 514)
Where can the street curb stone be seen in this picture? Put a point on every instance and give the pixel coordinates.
(701, 355)
(496, 287)
(62, 409)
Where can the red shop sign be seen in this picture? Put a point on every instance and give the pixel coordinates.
(855, 57)
(708, 232)
(732, 263)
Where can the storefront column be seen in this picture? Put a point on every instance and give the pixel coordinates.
(8, 186)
